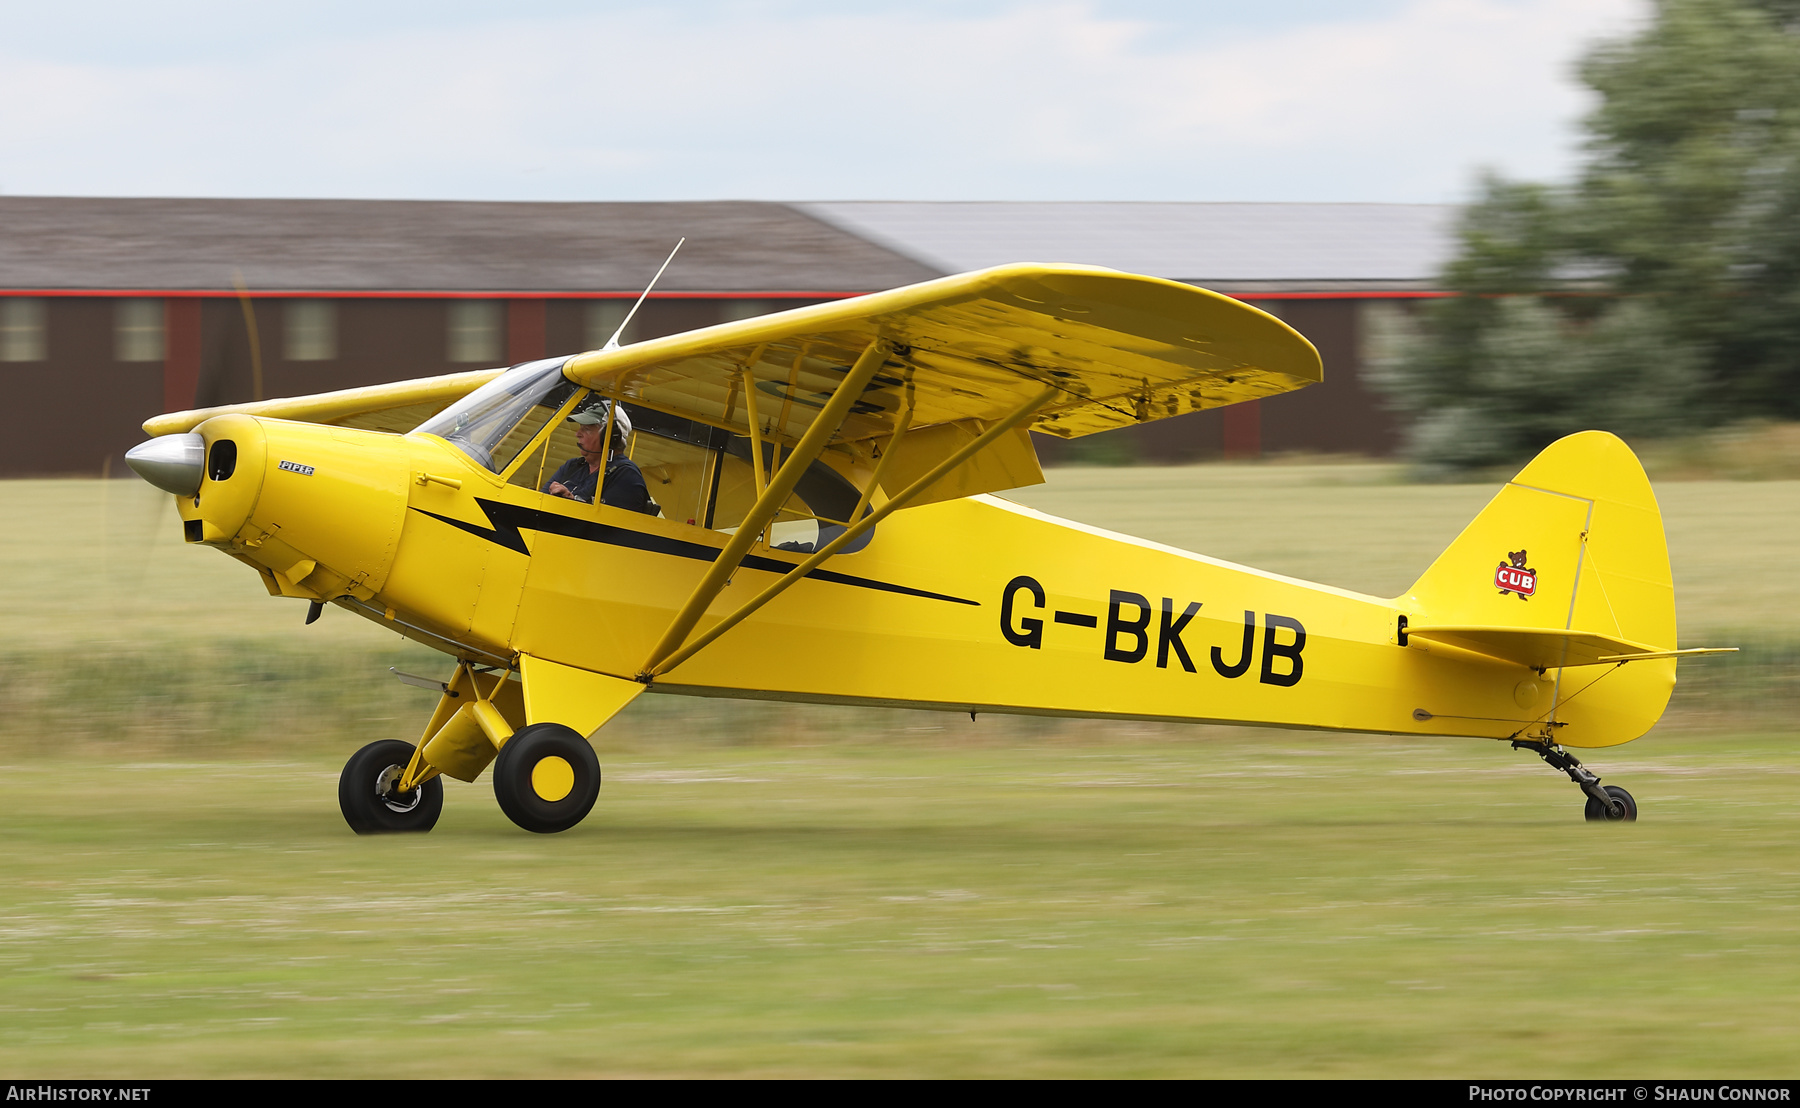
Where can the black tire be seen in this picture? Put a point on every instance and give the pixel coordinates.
(531, 756)
(1598, 814)
(366, 798)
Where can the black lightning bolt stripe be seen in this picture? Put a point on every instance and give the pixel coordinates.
(509, 519)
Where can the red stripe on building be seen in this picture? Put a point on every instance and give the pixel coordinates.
(434, 294)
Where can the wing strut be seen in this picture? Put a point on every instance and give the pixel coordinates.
(755, 421)
(771, 498)
(881, 467)
(656, 668)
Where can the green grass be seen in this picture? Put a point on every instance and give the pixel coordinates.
(781, 890)
(1253, 905)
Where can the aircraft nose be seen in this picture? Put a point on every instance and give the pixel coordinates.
(173, 463)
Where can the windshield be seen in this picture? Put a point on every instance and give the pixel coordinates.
(480, 422)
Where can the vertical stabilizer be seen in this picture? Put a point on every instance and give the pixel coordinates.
(1574, 542)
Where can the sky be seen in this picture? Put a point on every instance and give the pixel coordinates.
(1355, 100)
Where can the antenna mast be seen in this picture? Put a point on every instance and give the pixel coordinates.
(613, 343)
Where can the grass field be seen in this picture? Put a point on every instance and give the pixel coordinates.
(781, 890)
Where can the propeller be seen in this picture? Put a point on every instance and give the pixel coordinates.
(249, 310)
(134, 523)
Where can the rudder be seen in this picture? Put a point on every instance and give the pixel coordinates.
(1581, 534)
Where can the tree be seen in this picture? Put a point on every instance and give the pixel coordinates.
(1660, 291)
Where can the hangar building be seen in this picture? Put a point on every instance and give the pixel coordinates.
(112, 310)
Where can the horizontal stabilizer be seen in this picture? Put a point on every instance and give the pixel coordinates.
(1690, 652)
(1539, 648)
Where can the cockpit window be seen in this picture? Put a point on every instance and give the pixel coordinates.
(816, 513)
(695, 473)
(499, 419)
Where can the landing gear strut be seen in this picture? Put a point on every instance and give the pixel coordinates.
(1605, 804)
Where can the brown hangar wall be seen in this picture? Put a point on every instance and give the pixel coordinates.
(394, 339)
(1340, 415)
(67, 413)
(79, 409)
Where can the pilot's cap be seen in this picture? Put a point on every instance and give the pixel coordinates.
(595, 412)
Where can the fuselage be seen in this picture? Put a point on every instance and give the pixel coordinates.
(975, 604)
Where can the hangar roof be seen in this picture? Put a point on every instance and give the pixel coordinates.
(745, 247)
(401, 245)
(1231, 247)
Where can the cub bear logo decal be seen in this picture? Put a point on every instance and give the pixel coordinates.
(1515, 576)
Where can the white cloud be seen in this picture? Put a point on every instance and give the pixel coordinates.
(1027, 102)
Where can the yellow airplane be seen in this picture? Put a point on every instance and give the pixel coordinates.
(820, 527)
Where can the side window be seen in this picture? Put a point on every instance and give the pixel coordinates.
(309, 331)
(734, 491)
(545, 461)
(679, 460)
(700, 475)
(22, 329)
(795, 527)
(499, 419)
(474, 331)
(678, 474)
(527, 428)
(815, 514)
(138, 330)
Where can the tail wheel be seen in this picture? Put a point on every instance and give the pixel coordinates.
(546, 778)
(369, 801)
(1627, 806)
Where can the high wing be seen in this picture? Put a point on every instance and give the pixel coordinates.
(1118, 348)
(959, 353)
(397, 407)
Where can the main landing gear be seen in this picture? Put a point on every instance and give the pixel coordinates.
(369, 796)
(546, 779)
(546, 776)
(1608, 804)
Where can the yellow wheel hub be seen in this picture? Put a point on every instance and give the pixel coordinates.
(552, 778)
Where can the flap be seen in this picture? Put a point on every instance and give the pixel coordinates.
(1008, 462)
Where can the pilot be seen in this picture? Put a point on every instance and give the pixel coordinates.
(576, 478)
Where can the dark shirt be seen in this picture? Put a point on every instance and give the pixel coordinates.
(625, 486)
